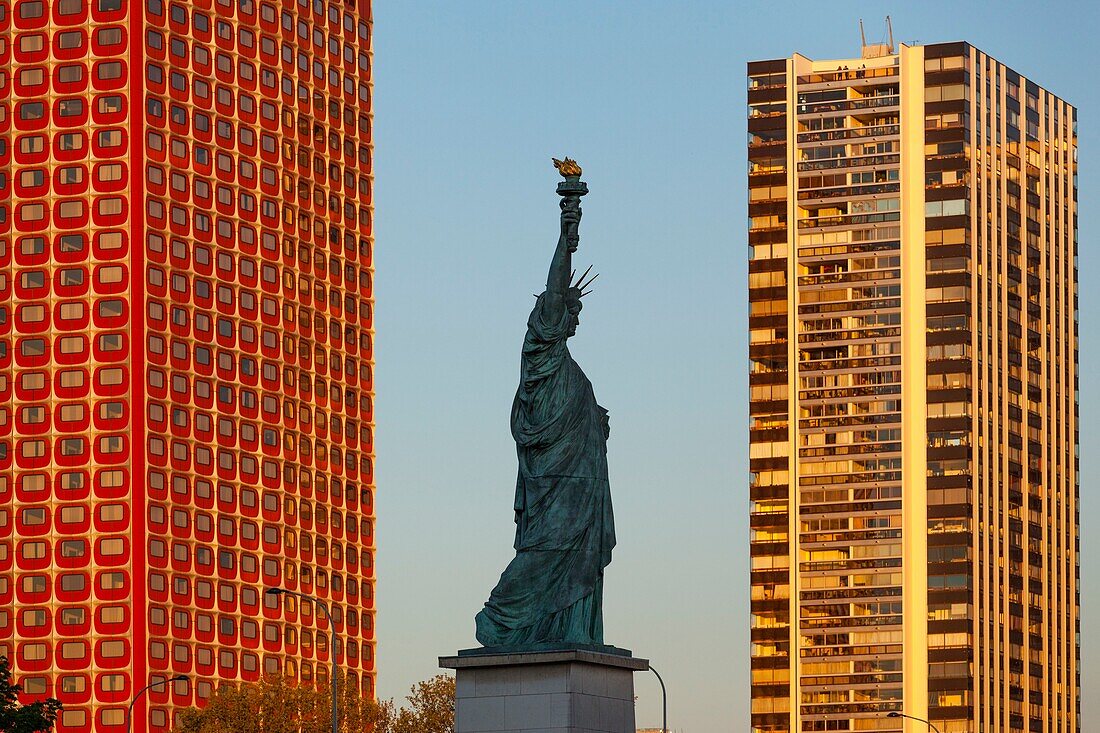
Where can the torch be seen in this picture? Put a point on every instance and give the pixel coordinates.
(571, 190)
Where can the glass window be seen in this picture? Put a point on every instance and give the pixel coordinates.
(74, 718)
(110, 308)
(112, 581)
(35, 584)
(33, 550)
(32, 177)
(33, 347)
(110, 104)
(71, 141)
(73, 514)
(31, 111)
(34, 652)
(71, 176)
(72, 311)
(112, 547)
(109, 70)
(73, 582)
(112, 512)
(31, 9)
(109, 36)
(110, 377)
(73, 548)
(72, 243)
(32, 42)
(34, 617)
(109, 138)
(33, 685)
(32, 76)
(70, 73)
(71, 379)
(32, 144)
(112, 683)
(72, 481)
(74, 650)
(70, 40)
(73, 616)
(112, 614)
(110, 275)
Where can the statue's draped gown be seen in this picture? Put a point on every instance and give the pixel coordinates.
(553, 590)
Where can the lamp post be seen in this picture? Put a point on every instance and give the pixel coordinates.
(664, 701)
(896, 714)
(130, 710)
(332, 646)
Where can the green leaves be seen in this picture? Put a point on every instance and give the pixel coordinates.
(37, 717)
(277, 705)
(431, 709)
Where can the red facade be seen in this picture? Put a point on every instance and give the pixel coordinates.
(186, 348)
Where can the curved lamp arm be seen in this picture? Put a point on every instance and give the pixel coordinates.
(332, 647)
(142, 691)
(664, 700)
(896, 714)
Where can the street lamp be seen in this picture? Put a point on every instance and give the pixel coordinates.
(896, 714)
(332, 647)
(664, 701)
(158, 683)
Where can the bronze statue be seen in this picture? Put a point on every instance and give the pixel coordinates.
(552, 591)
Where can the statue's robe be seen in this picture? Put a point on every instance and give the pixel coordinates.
(553, 590)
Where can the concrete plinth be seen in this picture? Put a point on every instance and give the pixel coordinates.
(551, 691)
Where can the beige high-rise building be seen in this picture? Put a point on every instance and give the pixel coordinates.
(913, 345)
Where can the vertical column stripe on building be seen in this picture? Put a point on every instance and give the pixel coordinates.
(914, 353)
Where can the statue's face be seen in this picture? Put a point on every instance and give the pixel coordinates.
(574, 307)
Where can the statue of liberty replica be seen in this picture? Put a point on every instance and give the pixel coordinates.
(551, 593)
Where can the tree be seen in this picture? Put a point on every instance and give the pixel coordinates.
(276, 705)
(37, 717)
(431, 709)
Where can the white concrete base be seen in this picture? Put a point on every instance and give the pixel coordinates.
(571, 691)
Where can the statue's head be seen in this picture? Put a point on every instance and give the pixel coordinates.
(573, 305)
(573, 295)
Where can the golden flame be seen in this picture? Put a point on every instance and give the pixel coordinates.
(568, 167)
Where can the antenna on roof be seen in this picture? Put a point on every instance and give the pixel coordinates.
(880, 49)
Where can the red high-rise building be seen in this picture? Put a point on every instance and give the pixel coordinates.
(185, 348)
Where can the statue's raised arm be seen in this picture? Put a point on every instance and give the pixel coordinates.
(561, 267)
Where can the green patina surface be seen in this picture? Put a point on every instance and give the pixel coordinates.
(552, 591)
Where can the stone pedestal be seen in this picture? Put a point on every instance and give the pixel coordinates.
(575, 690)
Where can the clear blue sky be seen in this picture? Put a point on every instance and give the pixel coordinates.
(472, 97)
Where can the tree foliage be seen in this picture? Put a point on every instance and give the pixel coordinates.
(431, 709)
(275, 705)
(36, 717)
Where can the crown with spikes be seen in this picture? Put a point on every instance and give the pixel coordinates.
(580, 285)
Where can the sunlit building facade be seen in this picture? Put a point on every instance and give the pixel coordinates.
(185, 348)
(914, 431)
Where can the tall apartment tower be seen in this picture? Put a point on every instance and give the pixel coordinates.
(914, 430)
(185, 348)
